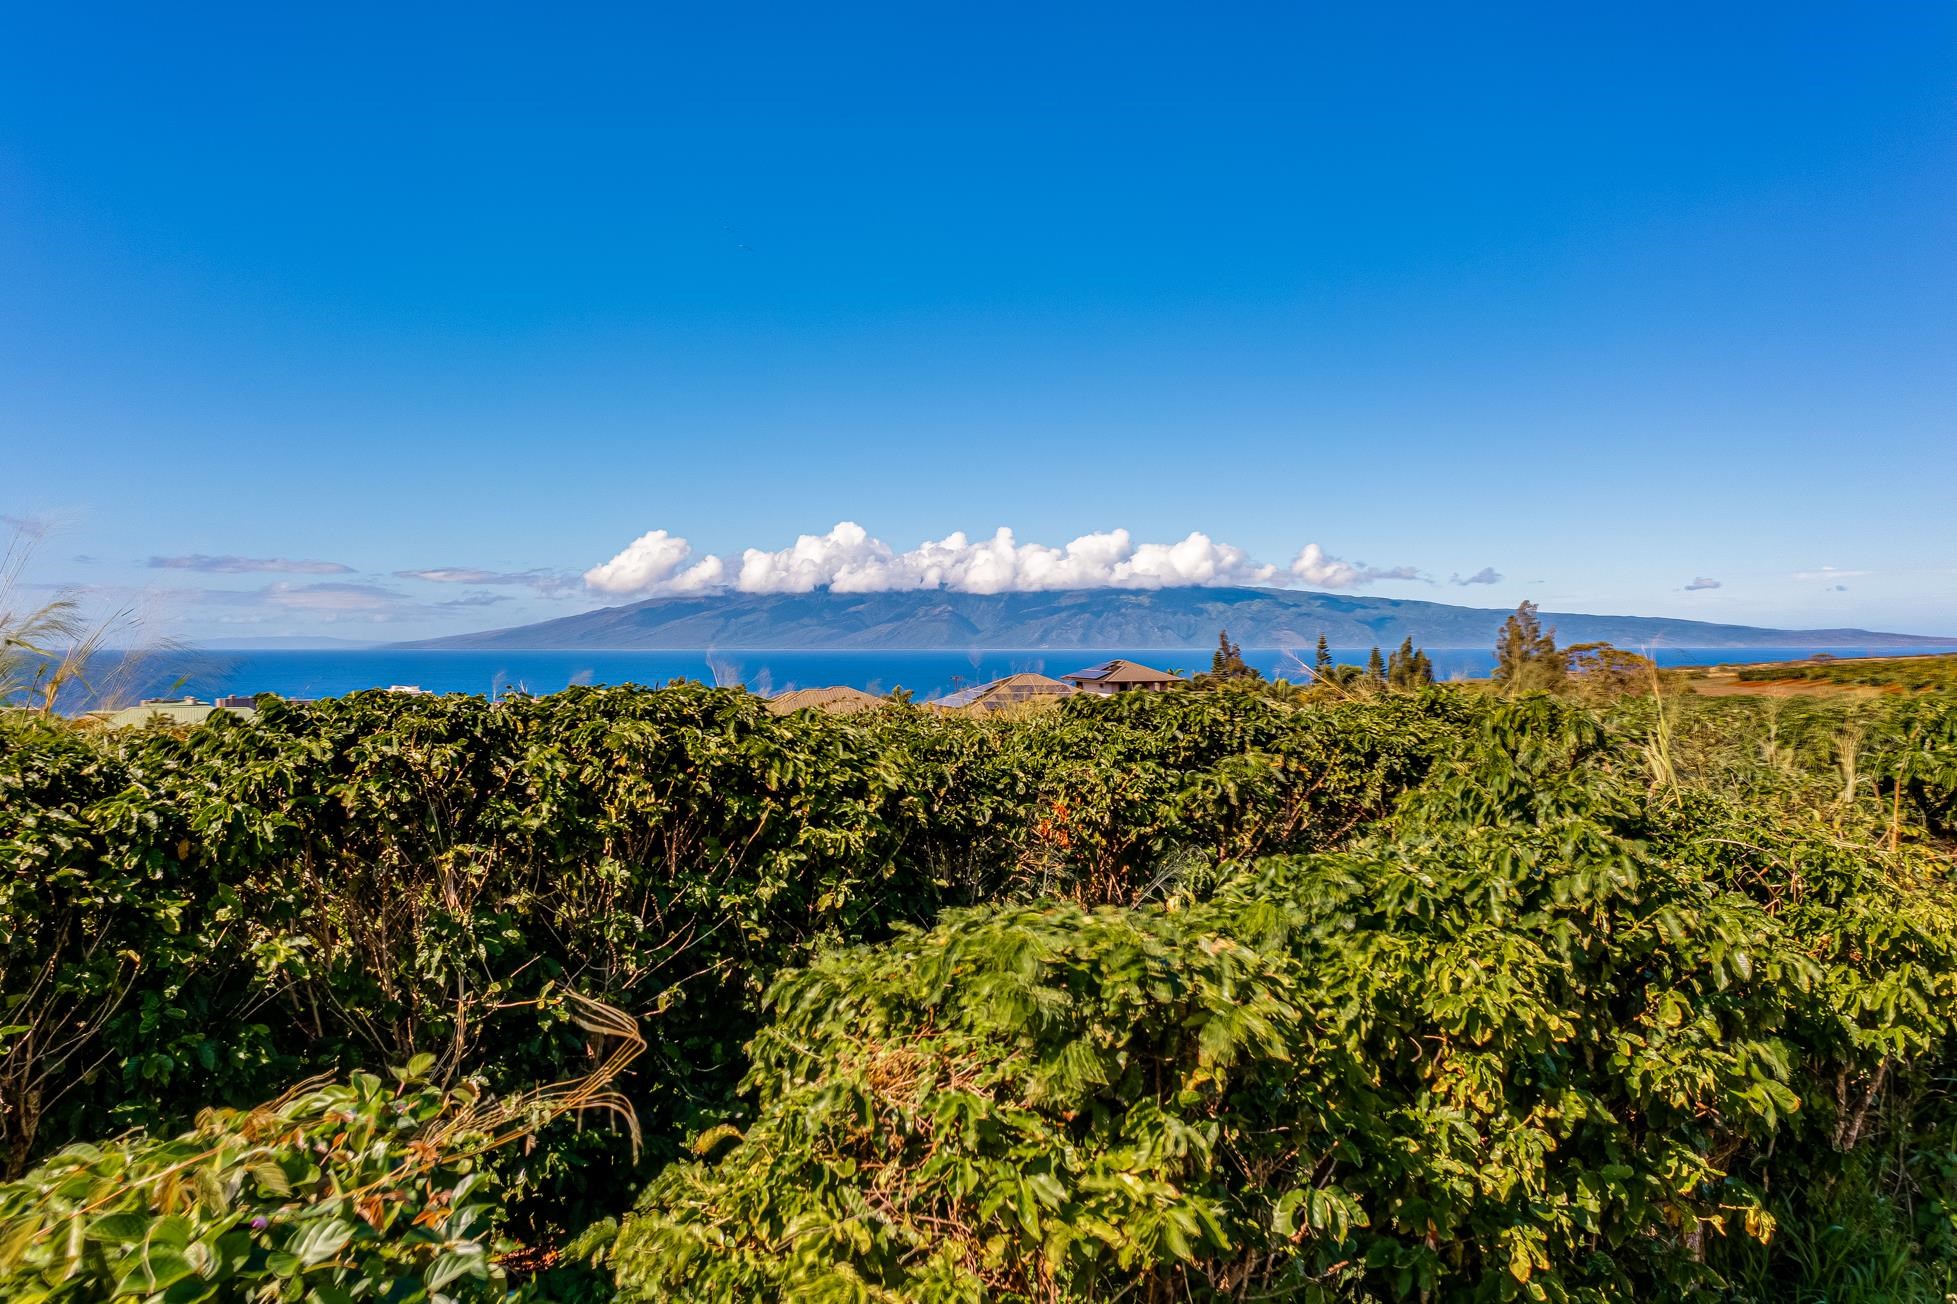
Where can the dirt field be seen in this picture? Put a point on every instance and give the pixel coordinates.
(1723, 682)
(1879, 675)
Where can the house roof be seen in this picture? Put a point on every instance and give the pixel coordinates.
(1122, 672)
(169, 711)
(1000, 693)
(839, 700)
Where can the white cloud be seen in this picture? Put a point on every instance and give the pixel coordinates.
(359, 598)
(463, 575)
(655, 562)
(328, 599)
(1486, 575)
(1313, 566)
(1701, 582)
(848, 559)
(231, 565)
(1828, 573)
(546, 583)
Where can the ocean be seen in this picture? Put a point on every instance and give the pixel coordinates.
(331, 672)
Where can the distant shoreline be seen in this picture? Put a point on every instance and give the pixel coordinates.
(1889, 644)
(332, 672)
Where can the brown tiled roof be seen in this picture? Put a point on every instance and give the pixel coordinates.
(1123, 672)
(839, 700)
(1001, 693)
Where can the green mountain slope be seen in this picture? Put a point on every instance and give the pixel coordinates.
(1100, 618)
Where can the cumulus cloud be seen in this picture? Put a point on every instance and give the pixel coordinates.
(1702, 582)
(848, 559)
(1486, 575)
(655, 562)
(229, 565)
(1313, 566)
(547, 583)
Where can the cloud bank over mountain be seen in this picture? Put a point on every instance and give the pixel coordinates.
(848, 559)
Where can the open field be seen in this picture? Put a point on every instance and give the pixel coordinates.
(1825, 676)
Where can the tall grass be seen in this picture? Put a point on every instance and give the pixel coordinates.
(51, 645)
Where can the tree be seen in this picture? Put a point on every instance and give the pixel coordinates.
(1376, 668)
(1598, 671)
(1322, 664)
(1408, 667)
(1526, 660)
(1228, 661)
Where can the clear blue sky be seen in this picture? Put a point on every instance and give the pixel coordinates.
(1605, 299)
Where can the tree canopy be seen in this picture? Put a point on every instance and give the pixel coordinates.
(1526, 659)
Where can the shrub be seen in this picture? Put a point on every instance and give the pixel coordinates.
(348, 1191)
(1545, 1038)
(199, 917)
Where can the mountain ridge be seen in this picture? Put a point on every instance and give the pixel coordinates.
(928, 620)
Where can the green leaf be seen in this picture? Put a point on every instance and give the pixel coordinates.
(468, 1261)
(320, 1240)
(120, 1228)
(1284, 1216)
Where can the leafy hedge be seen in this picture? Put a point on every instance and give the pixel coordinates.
(1221, 994)
(1554, 1035)
(331, 1193)
(203, 917)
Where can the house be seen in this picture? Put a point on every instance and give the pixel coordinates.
(840, 700)
(1122, 677)
(999, 694)
(178, 711)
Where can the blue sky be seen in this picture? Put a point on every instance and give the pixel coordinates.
(1641, 309)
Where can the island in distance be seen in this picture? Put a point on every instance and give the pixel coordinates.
(825, 620)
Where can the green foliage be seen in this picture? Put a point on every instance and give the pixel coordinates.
(200, 917)
(1928, 673)
(333, 1192)
(1231, 994)
(1598, 672)
(1137, 787)
(1227, 663)
(1526, 659)
(1921, 761)
(1553, 1036)
(1408, 667)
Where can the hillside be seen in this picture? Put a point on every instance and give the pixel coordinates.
(1099, 618)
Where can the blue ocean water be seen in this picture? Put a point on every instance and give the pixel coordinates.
(331, 672)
